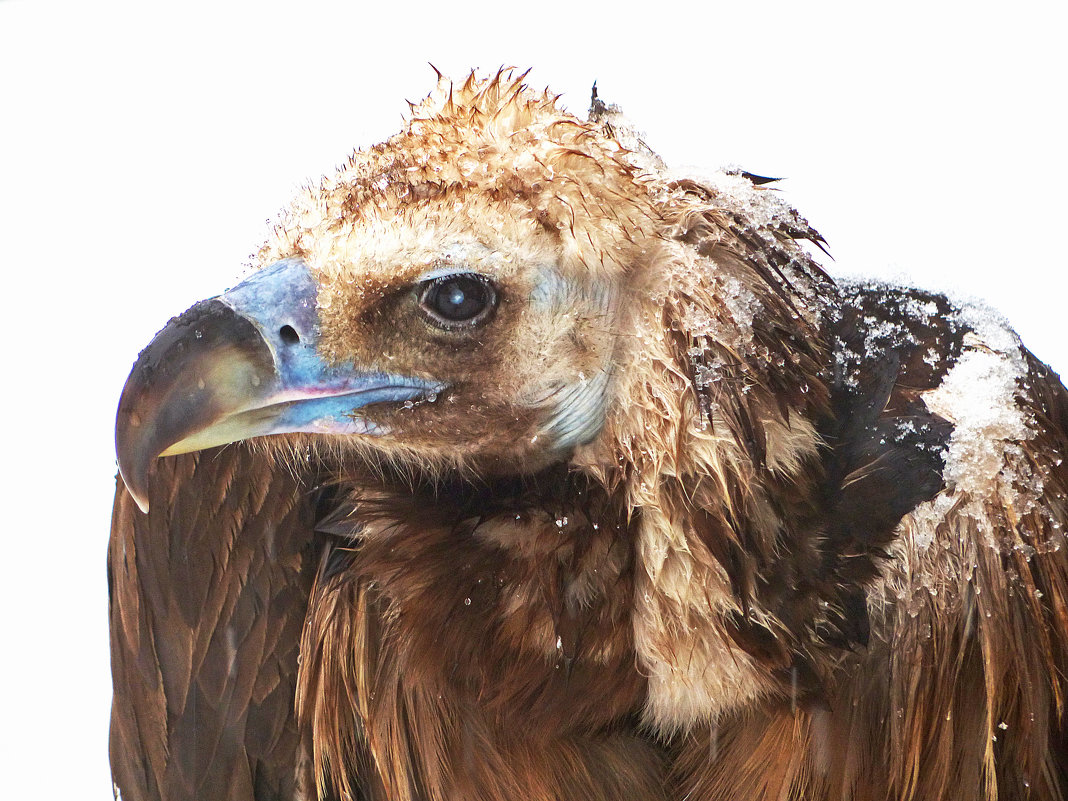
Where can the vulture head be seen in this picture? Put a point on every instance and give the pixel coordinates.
(594, 485)
(489, 292)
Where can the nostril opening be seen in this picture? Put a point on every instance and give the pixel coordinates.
(289, 335)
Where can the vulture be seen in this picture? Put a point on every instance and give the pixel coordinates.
(525, 467)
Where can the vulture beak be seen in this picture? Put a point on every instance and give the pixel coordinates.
(240, 365)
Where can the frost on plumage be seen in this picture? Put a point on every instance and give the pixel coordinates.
(883, 334)
(763, 206)
(979, 397)
(984, 395)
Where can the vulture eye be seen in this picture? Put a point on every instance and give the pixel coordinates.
(458, 300)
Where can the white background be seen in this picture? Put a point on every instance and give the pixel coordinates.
(143, 149)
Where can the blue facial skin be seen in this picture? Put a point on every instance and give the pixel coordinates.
(245, 364)
(308, 394)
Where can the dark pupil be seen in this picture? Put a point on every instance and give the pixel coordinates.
(459, 298)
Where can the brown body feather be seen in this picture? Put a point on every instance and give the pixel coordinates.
(208, 597)
(793, 562)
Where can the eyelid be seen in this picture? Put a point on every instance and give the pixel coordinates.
(445, 272)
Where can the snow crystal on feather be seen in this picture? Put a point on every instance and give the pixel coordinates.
(979, 396)
(883, 332)
(937, 548)
(762, 207)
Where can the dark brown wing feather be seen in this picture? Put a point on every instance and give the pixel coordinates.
(948, 695)
(208, 594)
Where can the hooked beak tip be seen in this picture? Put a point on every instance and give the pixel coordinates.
(133, 470)
(140, 500)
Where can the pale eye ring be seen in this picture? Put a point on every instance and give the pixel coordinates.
(459, 300)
